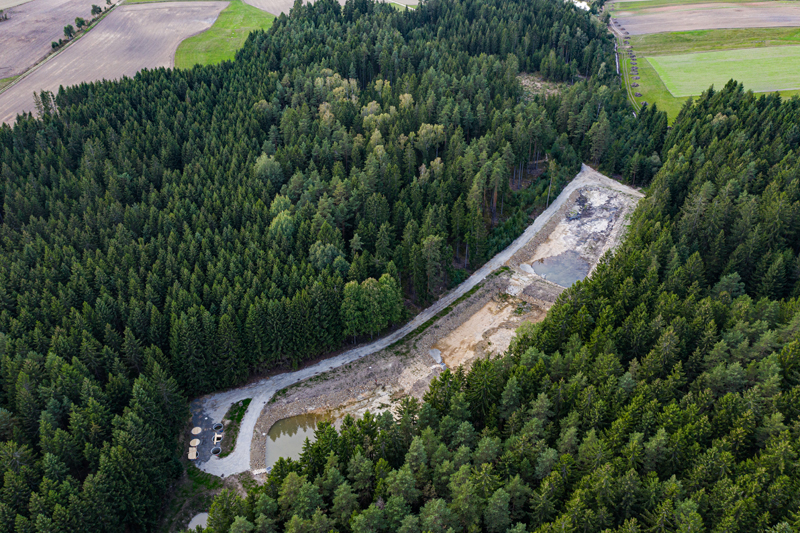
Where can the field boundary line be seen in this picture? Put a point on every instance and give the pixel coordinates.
(53, 55)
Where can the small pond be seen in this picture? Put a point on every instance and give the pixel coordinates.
(286, 437)
(200, 519)
(563, 269)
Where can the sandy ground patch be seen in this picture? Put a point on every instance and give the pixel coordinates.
(589, 221)
(709, 17)
(377, 374)
(590, 226)
(483, 330)
(26, 36)
(131, 38)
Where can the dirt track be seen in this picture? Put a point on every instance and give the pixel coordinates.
(26, 36)
(216, 405)
(709, 17)
(131, 38)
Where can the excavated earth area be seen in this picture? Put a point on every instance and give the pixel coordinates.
(476, 319)
(588, 224)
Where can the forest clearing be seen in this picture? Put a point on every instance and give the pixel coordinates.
(31, 27)
(131, 38)
(372, 377)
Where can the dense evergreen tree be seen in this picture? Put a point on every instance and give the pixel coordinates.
(661, 394)
(164, 236)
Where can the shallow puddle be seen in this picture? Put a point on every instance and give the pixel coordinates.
(563, 269)
(286, 437)
(200, 519)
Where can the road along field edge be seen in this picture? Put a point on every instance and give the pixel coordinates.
(52, 55)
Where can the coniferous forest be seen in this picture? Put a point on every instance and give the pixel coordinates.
(168, 235)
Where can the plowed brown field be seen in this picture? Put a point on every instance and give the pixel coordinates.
(131, 38)
(708, 17)
(26, 36)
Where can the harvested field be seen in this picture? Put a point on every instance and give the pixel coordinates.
(7, 4)
(131, 38)
(709, 16)
(26, 36)
(759, 69)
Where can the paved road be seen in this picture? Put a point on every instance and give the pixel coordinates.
(131, 38)
(216, 405)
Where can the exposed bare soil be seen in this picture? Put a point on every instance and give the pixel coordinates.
(710, 16)
(26, 36)
(376, 375)
(590, 221)
(129, 39)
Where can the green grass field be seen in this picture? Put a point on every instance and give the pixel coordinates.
(652, 89)
(759, 69)
(672, 55)
(4, 82)
(682, 42)
(224, 38)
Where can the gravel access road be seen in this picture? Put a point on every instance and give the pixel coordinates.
(216, 405)
(129, 39)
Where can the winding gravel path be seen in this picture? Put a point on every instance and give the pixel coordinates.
(216, 405)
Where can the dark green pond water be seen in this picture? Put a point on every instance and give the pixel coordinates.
(286, 437)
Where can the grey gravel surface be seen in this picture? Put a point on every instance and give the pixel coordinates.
(216, 405)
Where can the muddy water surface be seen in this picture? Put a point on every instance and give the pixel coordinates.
(563, 269)
(286, 437)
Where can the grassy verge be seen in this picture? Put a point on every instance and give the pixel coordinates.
(446, 311)
(4, 82)
(221, 41)
(193, 495)
(232, 421)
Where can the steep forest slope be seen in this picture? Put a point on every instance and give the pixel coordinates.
(662, 394)
(166, 235)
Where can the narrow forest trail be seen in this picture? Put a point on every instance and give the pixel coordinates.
(214, 406)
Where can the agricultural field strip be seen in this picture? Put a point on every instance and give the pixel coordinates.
(759, 69)
(8, 4)
(685, 42)
(216, 405)
(131, 38)
(26, 36)
(640, 5)
(709, 16)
